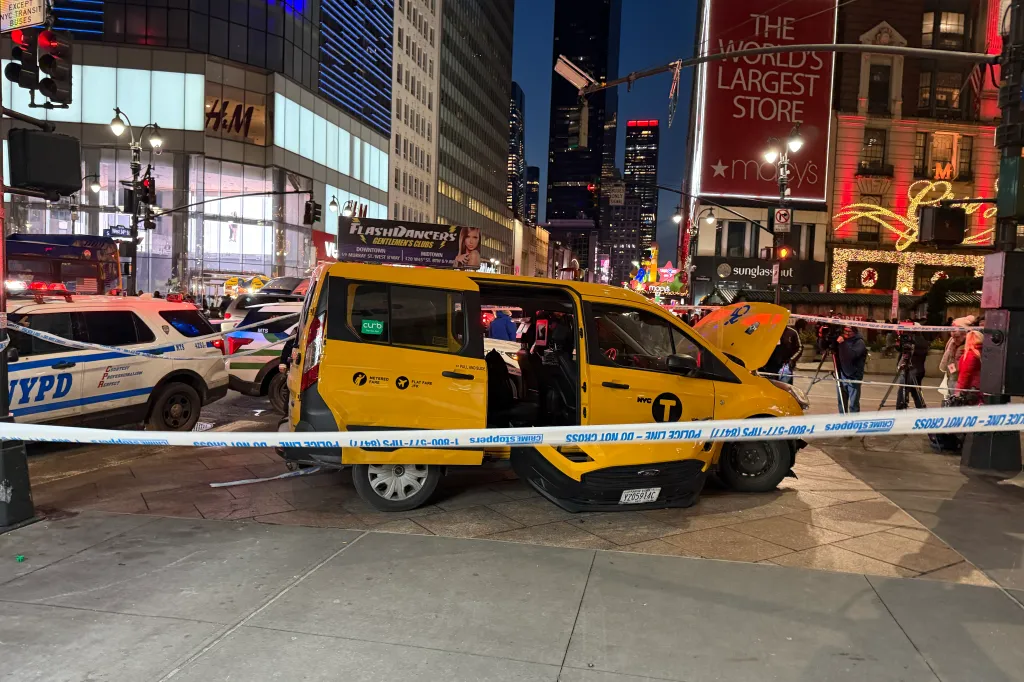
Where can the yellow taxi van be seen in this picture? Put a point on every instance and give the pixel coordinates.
(383, 347)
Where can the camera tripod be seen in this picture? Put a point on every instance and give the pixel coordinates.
(840, 393)
(908, 383)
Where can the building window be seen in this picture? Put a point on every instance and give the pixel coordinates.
(399, 73)
(921, 155)
(951, 31)
(396, 210)
(397, 177)
(398, 144)
(965, 156)
(405, 181)
(872, 154)
(734, 246)
(947, 91)
(878, 88)
(867, 229)
(924, 92)
(942, 149)
(928, 29)
(401, 36)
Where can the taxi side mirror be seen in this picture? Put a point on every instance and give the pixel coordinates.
(682, 364)
(12, 354)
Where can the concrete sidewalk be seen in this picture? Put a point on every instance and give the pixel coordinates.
(129, 597)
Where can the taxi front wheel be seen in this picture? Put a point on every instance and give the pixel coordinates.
(754, 466)
(395, 487)
(175, 407)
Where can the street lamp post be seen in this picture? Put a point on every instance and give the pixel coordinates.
(118, 125)
(778, 153)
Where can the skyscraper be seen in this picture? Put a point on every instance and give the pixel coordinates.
(413, 143)
(515, 194)
(532, 194)
(472, 156)
(587, 32)
(641, 175)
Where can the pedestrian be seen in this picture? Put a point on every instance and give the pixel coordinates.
(225, 302)
(502, 327)
(950, 363)
(851, 354)
(139, 292)
(782, 361)
(156, 294)
(968, 380)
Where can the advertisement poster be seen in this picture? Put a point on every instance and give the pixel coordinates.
(742, 102)
(398, 242)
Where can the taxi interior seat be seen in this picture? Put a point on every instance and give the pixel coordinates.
(563, 374)
(532, 367)
(503, 409)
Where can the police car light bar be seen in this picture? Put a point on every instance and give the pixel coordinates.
(41, 290)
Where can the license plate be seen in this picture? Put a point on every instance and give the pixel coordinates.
(639, 496)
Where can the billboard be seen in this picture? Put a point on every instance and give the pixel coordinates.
(742, 102)
(397, 242)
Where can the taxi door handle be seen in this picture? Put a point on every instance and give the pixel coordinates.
(613, 384)
(457, 375)
(63, 365)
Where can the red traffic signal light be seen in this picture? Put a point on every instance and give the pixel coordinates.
(591, 187)
(55, 62)
(147, 193)
(23, 69)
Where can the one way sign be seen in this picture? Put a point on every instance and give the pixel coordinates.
(782, 220)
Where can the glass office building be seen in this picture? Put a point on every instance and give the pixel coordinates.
(240, 92)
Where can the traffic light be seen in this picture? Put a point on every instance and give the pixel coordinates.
(313, 213)
(23, 69)
(776, 253)
(147, 191)
(149, 220)
(55, 62)
(129, 201)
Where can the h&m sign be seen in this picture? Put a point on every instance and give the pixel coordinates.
(237, 120)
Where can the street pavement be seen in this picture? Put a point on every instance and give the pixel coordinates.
(298, 579)
(129, 597)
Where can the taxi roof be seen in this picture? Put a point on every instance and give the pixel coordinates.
(437, 277)
(56, 303)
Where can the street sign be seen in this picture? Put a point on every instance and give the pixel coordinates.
(118, 232)
(775, 274)
(616, 193)
(783, 216)
(21, 14)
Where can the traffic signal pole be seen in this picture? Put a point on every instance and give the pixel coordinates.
(16, 507)
(136, 166)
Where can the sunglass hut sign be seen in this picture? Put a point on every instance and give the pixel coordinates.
(726, 271)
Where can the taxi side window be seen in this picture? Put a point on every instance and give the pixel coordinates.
(638, 339)
(58, 324)
(115, 328)
(368, 317)
(415, 317)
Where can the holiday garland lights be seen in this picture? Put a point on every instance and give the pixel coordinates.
(906, 227)
(906, 260)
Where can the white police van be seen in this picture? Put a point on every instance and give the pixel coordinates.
(258, 373)
(60, 384)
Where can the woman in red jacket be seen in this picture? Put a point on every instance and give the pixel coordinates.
(969, 372)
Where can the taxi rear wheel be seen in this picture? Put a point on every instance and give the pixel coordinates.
(395, 487)
(754, 466)
(175, 408)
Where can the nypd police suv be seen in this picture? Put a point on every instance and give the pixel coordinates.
(56, 383)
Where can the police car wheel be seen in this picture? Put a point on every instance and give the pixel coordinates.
(754, 466)
(277, 391)
(175, 408)
(395, 487)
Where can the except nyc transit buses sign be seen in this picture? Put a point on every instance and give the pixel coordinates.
(742, 102)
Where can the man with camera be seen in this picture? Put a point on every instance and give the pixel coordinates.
(913, 349)
(851, 354)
